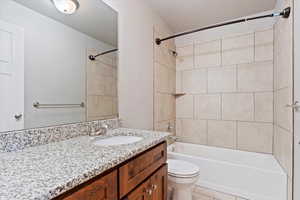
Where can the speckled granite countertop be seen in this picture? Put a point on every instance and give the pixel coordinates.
(46, 171)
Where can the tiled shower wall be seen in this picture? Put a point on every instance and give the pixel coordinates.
(164, 85)
(228, 86)
(283, 118)
(102, 90)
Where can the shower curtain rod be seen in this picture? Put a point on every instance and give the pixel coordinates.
(91, 57)
(285, 14)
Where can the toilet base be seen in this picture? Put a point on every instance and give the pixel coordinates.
(181, 189)
(180, 194)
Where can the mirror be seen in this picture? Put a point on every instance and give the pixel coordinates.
(46, 75)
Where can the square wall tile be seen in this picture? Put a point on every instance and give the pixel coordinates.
(185, 51)
(207, 106)
(284, 64)
(194, 131)
(284, 114)
(115, 106)
(178, 81)
(222, 134)
(106, 59)
(222, 79)
(98, 68)
(99, 106)
(283, 149)
(208, 47)
(185, 107)
(290, 188)
(171, 81)
(238, 56)
(163, 126)
(238, 107)
(161, 78)
(241, 41)
(208, 60)
(166, 58)
(264, 107)
(165, 107)
(194, 81)
(184, 62)
(255, 137)
(255, 77)
(264, 52)
(264, 37)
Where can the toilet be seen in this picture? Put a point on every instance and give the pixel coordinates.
(182, 177)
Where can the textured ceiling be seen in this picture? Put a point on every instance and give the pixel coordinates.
(183, 15)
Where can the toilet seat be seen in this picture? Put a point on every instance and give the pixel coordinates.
(182, 169)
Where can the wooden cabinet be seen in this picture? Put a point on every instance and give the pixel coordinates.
(104, 188)
(154, 188)
(144, 177)
(140, 193)
(137, 170)
(159, 184)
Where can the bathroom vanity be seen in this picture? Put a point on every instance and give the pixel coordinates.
(142, 177)
(61, 164)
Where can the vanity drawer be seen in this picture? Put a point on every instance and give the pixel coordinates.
(104, 188)
(137, 170)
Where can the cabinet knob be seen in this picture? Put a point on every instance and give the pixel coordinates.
(154, 187)
(149, 192)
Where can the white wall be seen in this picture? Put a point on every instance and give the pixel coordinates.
(55, 61)
(228, 30)
(136, 22)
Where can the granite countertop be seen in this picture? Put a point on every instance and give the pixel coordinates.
(46, 171)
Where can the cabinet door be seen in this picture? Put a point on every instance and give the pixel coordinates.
(141, 193)
(137, 170)
(159, 184)
(105, 188)
(155, 188)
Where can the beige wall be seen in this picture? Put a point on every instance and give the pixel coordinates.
(229, 91)
(164, 85)
(296, 173)
(283, 73)
(136, 55)
(102, 91)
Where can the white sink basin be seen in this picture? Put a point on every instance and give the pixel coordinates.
(116, 140)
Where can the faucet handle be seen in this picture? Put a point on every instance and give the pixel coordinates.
(100, 130)
(105, 126)
(174, 138)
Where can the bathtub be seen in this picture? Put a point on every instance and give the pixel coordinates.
(249, 175)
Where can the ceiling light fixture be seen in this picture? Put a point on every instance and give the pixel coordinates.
(67, 7)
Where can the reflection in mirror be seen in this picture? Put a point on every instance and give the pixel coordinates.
(46, 76)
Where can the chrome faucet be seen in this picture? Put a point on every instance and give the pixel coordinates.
(104, 129)
(100, 131)
(170, 127)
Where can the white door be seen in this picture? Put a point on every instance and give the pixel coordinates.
(11, 77)
(297, 98)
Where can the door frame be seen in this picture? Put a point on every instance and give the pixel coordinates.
(296, 192)
(16, 105)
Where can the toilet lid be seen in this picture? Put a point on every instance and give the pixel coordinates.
(180, 168)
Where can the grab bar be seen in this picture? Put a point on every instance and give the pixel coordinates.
(38, 105)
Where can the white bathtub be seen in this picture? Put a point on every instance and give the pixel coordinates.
(249, 175)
